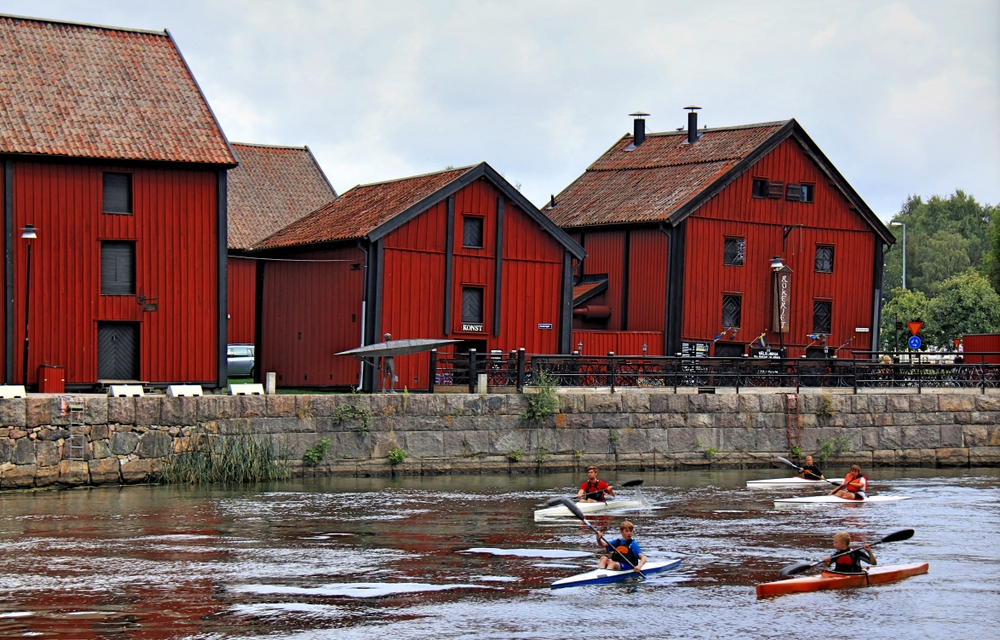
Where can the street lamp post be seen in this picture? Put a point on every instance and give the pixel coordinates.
(902, 224)
(28, 234)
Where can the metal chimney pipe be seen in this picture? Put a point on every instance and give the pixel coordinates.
(692, 124)
(638, 128)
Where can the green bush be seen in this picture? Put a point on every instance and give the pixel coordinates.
(544, 403)
(314, 454)
(241, 458)
(515, 455)
(397, 455)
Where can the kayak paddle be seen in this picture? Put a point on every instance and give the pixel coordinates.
(575, 510)
(799, 567)
(798, 468)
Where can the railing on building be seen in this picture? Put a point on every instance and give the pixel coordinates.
(866, 369)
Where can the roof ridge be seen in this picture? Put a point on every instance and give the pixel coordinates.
(414, 177)
(683, 130)
(84, 24)
(270, 146)
(675, 164)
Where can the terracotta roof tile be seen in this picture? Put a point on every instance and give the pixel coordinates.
(272, 188)
(586, 290)
(362, 209)
(649, 183)
(101, 92)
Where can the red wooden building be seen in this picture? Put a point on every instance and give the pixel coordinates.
(722, 242)
(113, 156)
(457, 254)
(271, 188)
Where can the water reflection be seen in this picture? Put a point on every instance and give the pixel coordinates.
(462, 557)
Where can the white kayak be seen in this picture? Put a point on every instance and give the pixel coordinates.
(837, 500)
(602, 576)
(561, 511)
(789, 482)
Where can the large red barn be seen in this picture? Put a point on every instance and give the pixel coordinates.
(113, 156)
(273, 187)
(682, 230)
(459, 254)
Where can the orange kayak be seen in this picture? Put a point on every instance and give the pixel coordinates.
(830, 580)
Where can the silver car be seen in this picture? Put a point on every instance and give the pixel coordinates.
(239, 360)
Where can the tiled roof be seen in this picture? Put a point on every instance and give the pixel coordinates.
(272, 188)
(652, 181)
(360, 210)
(586, 290)
(101, 92)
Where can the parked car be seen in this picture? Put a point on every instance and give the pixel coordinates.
(239, 360)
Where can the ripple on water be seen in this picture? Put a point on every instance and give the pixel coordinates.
(529, 553)
(350, 589)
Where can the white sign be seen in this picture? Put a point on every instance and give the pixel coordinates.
(861, 329)
(472, 327)
(544, 325)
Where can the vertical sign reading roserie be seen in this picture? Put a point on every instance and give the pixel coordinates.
(782, 300)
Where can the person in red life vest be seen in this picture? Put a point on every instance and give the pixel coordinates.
(849, 562)
(625, 553)
(593, 490)
(855, 485)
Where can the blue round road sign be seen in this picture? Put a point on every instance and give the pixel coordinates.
(914, 342)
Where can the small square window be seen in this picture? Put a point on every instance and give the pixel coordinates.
(472, 232)
(808, 191)
(760, 188)
(734, 252)
(822, 316)
(731, 310)
(117, 193)
(117, 268)
(824, 259)
(472, 305)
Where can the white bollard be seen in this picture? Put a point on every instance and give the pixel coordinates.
(481, 384)
(270, 383)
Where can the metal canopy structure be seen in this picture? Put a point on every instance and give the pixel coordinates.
(396, 348)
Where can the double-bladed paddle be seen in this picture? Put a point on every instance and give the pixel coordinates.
(575, 510)
(799, 567)
(800, 469)
(627, 483)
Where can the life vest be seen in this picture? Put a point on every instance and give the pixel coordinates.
(857, 484)
(594, 490)
(850, 562)
(624, 553)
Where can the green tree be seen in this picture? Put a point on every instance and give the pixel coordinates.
(966, 304)
(904, 305)
(944, 237)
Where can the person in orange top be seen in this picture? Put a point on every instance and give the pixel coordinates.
(855, 485)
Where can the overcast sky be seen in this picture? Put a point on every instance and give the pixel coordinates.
(903, 96)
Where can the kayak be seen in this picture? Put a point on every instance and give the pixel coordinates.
(788, 482)
(603, 576)
(586, 507)
(828, 499)
(832, 580)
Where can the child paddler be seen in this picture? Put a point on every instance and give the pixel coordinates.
(855, 486)
(593, 489)
(624, 552)
(810, 471)
(849, 562)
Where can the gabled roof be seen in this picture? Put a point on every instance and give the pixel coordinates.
(371, 211)
(589, 288)
(89, 91)
(665, 179)
(271, 188)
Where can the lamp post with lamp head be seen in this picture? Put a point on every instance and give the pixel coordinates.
(28, 234)
(902, 224)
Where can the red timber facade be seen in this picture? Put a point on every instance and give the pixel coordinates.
(682, 231)
(271, 188)
(458, 254)
(112, 155)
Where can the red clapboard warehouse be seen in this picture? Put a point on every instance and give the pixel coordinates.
(458, 254)
(115, 161)
(273, 187)
(722, 242)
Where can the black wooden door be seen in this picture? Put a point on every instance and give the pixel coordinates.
(117, 351)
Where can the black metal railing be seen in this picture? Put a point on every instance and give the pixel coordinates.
(864, 370)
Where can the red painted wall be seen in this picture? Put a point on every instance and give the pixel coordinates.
(174, 229)
(762, 222)
(623, 343)
(241, 296)
(414, 270)
(647, 282)
(312, 310)
(606, 255)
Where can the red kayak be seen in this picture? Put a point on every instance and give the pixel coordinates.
(831, 580)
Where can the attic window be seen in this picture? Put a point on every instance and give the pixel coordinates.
(800, 192)
(472, 232)
(759, 188)
(117, 193)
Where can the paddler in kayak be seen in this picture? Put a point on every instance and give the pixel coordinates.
(855, 485)
(625, 552)
(593, 490)
(810, 471)
(849, 562)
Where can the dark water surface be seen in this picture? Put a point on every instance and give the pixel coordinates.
(389, 558)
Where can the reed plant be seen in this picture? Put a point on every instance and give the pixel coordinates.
(241, 458)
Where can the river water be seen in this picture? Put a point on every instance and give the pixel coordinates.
(461, 557)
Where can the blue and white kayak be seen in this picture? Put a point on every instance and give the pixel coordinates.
(602, 576)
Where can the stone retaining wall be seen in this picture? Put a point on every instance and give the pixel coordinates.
(129, 439)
